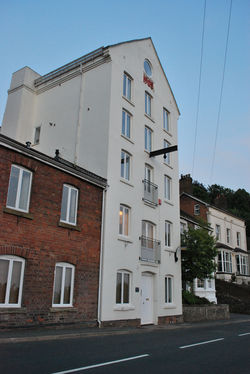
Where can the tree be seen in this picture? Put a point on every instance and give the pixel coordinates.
(198, 257)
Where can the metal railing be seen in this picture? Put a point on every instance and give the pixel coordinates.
(150, 250)
(150, 192)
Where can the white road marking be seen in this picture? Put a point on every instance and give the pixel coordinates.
(102, 364)
(247, 333)
(206, 342)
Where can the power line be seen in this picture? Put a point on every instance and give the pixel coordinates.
(221, 92)
(199, 86)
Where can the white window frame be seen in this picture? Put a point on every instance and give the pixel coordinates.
(127, 86)
(169, 284)
(37, 135)
(166, 144)
(226, 262)
(64, 266)
(11, 259)
(67, 220)
(197, 210)
(148, 104)
(148, 135)
(124, 211)
(168, 233)
(146, 231)
(123, 272)
(147, 65)
(200, 283)
(167, 187)
(126, 168)
(217, 232)
(242, 264)
(228, 235)
(126, 123)
(19, 189)
(238, 239)
(166, 125)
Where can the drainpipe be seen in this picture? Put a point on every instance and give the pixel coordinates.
(101, 257)
(78, 125)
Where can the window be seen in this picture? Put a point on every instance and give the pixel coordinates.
(148, 230)
(217, 232)
(148, 139)
(242, 264)
(165, 119)
(228, 236)
(167, 187)
(196, 209)
(69, 204)
(167, 155)
(63, 285)
(19, 188)
(148, 99)
(125, 165)
(168, 234)
(200, 283)
(37, 135)
(126, 123)
(147, 68)
(168, 290)
(124, 220)
(122, 287)
(225, 262)
(127, 86)
(183, 228)
(11, 281)
(238, 239)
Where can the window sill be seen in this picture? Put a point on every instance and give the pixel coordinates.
(148, 263)
(149, 117)
(167, 132)
(56, 309)
(126, 182)
(168, 202)
(129, 101)
(169, 306)
(17, 213)
(126, 138)
(124, 307)
(125, 239)
(165, 163)
(12, 309)
(68, 226)
(169, 249)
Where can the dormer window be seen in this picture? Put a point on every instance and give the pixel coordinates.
(197, 210)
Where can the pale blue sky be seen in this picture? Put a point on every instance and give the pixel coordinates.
(47, 34)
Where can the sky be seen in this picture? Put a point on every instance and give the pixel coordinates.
(45, 35)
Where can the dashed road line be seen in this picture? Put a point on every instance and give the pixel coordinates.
(201, 343)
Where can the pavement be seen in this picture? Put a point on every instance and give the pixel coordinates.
(32, 334)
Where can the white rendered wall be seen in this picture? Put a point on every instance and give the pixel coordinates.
(118, 253)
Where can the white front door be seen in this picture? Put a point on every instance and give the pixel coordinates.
(147, 299)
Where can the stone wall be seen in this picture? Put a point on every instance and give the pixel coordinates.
(205, 312)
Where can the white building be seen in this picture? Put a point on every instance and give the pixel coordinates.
(105, 112)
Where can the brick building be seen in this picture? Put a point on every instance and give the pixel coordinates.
(50, 238)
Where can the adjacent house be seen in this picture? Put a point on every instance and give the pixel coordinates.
(50, 238)
(229, 230)
(107, 112)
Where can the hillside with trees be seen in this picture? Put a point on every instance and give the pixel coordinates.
(236, 202)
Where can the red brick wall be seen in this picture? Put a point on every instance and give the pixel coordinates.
(187, 205)
(43, 243)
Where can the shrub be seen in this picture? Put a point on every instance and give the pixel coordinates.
(189, 298)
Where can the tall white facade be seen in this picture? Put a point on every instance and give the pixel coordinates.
(105, 112)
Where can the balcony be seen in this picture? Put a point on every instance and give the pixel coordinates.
(150, 250)
(150, 192)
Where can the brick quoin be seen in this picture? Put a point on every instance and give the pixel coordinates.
(42, 243)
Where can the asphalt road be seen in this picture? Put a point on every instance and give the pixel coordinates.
(213, 348)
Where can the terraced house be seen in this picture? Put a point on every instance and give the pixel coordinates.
(108, 112)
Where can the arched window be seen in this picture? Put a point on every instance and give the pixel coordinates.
(63, 285)
(147, 68)
(11, 281)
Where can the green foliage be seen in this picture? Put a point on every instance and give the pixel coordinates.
(236, 202)
(190, 299)
(198, 257)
